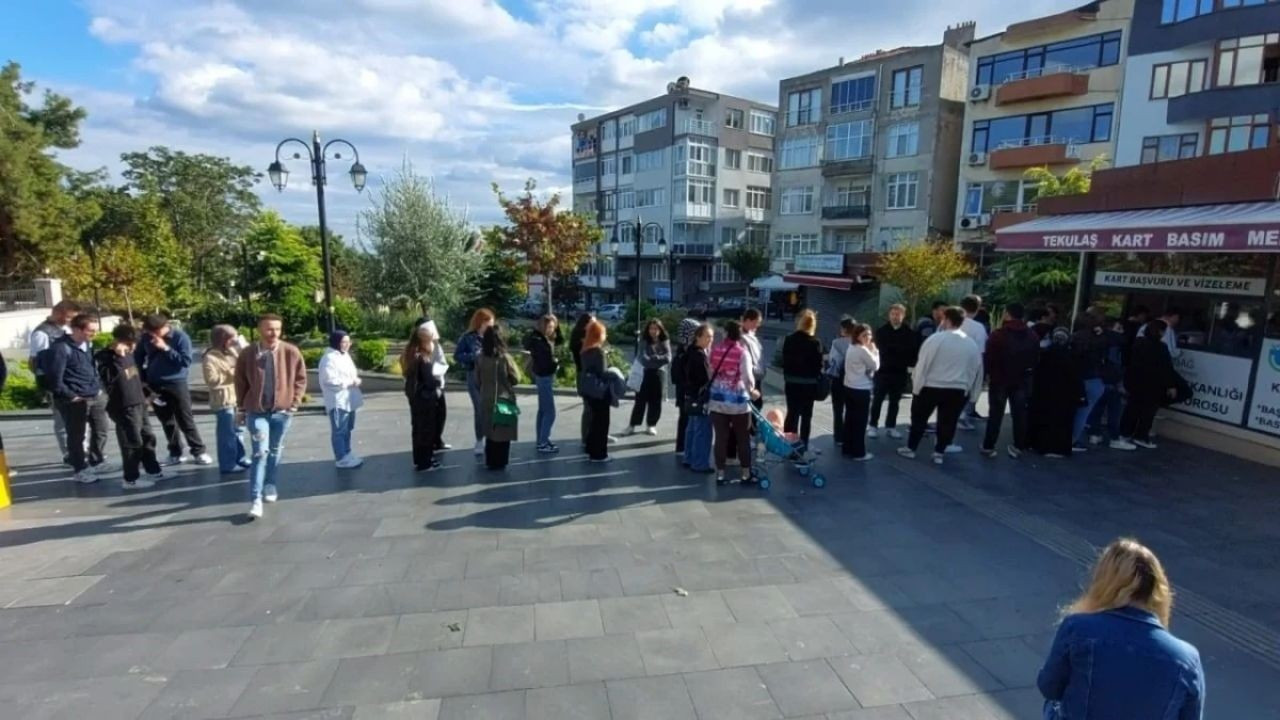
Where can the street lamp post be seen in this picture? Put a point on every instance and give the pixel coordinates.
(615, 245)
(316, 155)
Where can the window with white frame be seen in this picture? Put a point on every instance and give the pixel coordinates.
(732, 198)
(907, 84)
(609, 131)
(892, 238)
(797, 200)
(719, 272)
(849, 140)
(609, 165)
(763, 123)
(758, 163)
(697, 192)
(652, 120)
(628, 163)
(846, 240)
(626, 127)
(658, 272)
(729, 236)
(787, 246)
(582, 172)
(849, 194)
(734, 118)
(732, 159)
(653, 197)
(702, 160)
(901, 190)
(651, 160)
(759, 198)
(904, 140)
(626, 199)
(804, 107)
(800, 152)
(610, 201)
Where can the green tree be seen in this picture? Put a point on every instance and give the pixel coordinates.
(1075, 181)
(141, 222)
(923, 270)
(423, 250)
(502, 282)
(346, 261)
(553, 242)
(119, 270)
(285, 272)
(749, 260)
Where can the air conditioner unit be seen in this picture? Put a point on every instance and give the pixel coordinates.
(978, 158)
(973, 222)
(979, 93)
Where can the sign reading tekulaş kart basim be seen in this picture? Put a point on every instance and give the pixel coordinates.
(1247, 287)
(1264, 414)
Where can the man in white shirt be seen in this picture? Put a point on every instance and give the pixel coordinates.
(948, 372)
(976, 332)
(42, 337)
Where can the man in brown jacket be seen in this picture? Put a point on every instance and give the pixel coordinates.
(271, 379)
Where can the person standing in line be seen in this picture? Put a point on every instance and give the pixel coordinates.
(1149, 381)
(1113, 655)
(219, 368)
(271, 379)
(977, 332)
(73, 380)
(421, 367)
(164, 356)
(685, 333)
(1013, 351)
(801, 370)
(655, 357)
(1110, 408)
(39, 342)
(948, 371)
(496, 377)
(596, 390)
(576, 338)
(1040, 324)
(733, 391)
(127, 408)
(898, 346)
(1057, 392)
(543, 367)
(1171, 317)
(698, 375)
(861, 366)
(1132, 327)
(751, 322)
(467, 355)
(1089, 348)
(835, 372)
(340, 385)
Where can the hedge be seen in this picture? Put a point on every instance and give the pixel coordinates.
(20, 391)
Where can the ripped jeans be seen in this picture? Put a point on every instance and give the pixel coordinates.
(266, 431)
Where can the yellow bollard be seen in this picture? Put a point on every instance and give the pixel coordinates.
(5, 498)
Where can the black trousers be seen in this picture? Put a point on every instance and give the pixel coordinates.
(137, 442)
(497, 453)
(174, 413)
(1016, 396)
(586, 422)
(839, 396)
(800, 399)
(682, 419)
(81, 418)
(732, 450)
(948, 402)
(441, 413)
(648, 407)
(732, 437)
(1139, 415)
(891, 386)
(597, 414)
(857, 408)
(423, 421)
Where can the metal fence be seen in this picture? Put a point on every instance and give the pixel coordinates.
(24, 299)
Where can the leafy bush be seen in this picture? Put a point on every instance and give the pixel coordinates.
(395, 325)
(347, 316)
(215, 312)
(311, 356)
(20, 391)
(370, 354)
(202, 336)
(101, 341)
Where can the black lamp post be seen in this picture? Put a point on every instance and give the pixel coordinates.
(615, 245)
(316, 156)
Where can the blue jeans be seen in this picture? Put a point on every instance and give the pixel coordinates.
(266, 431)
(1093, 389)
(1112, 405)
(697, 443)
(231, 455)
(473, 391)
(341, 423)
(546, 407)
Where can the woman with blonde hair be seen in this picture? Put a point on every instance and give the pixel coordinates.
(467, 354)
(423, 368)
(801, 370)
(1113, 656)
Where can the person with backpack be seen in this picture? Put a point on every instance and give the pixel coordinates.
(467, 354)
(698, 379)
(127, 408)
(163, 356)
(41, 339)
(1013, 351)
(77, 395)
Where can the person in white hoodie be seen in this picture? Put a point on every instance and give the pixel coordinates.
(340, 385)
(861, 362)
(948, 372)
(977, 334)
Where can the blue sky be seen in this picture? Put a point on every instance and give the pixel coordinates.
(468, 91)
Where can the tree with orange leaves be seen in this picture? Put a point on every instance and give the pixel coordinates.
(554, 242)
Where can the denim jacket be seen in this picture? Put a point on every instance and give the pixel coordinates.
(1121, 664)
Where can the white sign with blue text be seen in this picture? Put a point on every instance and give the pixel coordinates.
(1218, 382)
(1264, 414)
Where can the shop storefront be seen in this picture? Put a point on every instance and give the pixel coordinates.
(833, 287)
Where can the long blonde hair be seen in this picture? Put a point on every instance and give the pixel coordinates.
(807, 322)
(421, 344)
(1127, 574)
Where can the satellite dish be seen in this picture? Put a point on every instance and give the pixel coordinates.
(671, 88)
(581, 117)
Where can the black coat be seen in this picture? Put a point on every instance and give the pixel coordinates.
(802, 356)
(120, 379)
(1057, 392)
(697, 369)
(898, 348)
(1150, 372)
(542, 359)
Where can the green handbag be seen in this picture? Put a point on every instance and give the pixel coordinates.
(505, 411)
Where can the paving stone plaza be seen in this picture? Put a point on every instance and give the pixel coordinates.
(561, 589)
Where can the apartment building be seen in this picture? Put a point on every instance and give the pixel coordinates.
(690, 167)
(1045, 92)
(866, 157)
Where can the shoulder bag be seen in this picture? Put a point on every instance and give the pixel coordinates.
(697, 406)
(505, 411)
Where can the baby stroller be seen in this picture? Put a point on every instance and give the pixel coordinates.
(773, 449)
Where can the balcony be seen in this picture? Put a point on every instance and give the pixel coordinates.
(1223, 102)
(602, 282)
(846, 212)
(1003, 216)
(693, 126)
(698, 212)
(852, 166)
(755, 215)
(1041, 83)
(1033, 152)
(683, 249)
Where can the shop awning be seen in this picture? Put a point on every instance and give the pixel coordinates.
(773, 283)
(1244, 227)
(830, 282)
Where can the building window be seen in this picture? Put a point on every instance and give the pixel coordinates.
(759, 198)
(608, 131)
(845, 241)
(626, 199)
(658, 272)
(609, 165)
(759, 163)
(906, 87)
(628, 164)
(853, 95)
(695, 159)
(973, 199)
(901, 191)
(652, 120)
(732, 198)
(651, 160)
(583, 172)
(720, 273)
(788, 246)
(799, 152)
(626, 127)
(1077, 125)
(1081, 53)
(1173, 11)
(1243, 132)
(653, 197)
(850, 140)
(1172, 80)
(848, 194)
(734, 118)
(1000, 196)
(803, 107)
(732, 159)
(763, 123)
(797, 200)
(697, 192)
(904, 140)
(892, 238)
(728, 236)
(1162, 148)
(1249, 60)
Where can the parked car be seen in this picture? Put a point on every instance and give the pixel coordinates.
(611, 313)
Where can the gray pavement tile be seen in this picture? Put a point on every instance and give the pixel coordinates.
(195, 694)
(395, 527)
(550, 559)
(772, 571)
(436, 566)
(484, 563)
(467, 593)
(484, 707)
(1014, 704)
(816, 597)
(744, 644)
(730, 695)
(50, 591)
(872, 593)
(353, 601)
(338, 713)
(407, 710)
(377, 571)
(354, 637)
(207, 649)
(565, 620)
(590, 584)
(758, 604)
(568, 702)
(888, 712)
(464, 541)
(462, 671)
(633, 614)
(655, 698)
(880, 680)
(315, 574)
(604, 658)
(1009, 660)
(530, 665)
(206, 612)
(108, 654)
(286, 642)
(810, 638)
(529, 588)
(350, 528)
(1011, 616)
(697, 609)
(498, 625)
(371, 680)
(429, 631)
(675, 651)
(286, 687)
(648, 579)
(806, 688)
(960, 708)
(877, 631)
(412, 597)
(251, 578)
(123, 697)
(716, 574)
(948, 671)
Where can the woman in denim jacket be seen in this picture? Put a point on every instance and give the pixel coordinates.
(1113, 656)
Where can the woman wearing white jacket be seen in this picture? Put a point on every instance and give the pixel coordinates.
(340, 384)
(860, 365)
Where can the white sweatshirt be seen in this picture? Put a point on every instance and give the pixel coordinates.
(860, 366)
(948, 360)
(338, 381)
(976, 332)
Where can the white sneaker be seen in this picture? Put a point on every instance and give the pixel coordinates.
(613, 439)
(176, 460)
(255, 510)
(269, 493)
(873, 433)
(1122, 445)
(139, 484)
(202, 459)
(1095, 439)
(104, 469)
(954, 449)
(906, 452)
(349, 462)
(479, 449)
(895, 433)
(651, 431)
(864, 458)
(1143, 443)
(937, 458)
(629, 431)
(85, 477)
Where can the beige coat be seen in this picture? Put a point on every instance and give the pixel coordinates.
(220, 376)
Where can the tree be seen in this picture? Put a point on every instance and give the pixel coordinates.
(554, 243)
(502, 281)
(345, 261)
(141, 221)
(923, 270)
(285, 271)
(123, 278)
(422, 248)
(1075, 181)
(749, 260)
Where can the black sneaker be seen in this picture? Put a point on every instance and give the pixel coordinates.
(548, 449)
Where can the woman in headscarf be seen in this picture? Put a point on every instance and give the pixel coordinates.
(219, 365)
(423, 367)
(340, 385)
(1057, 392)
(496, 376)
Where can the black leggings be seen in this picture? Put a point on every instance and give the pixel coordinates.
(857, 408)
(648, 408)
(424, 421)
(598, 429)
